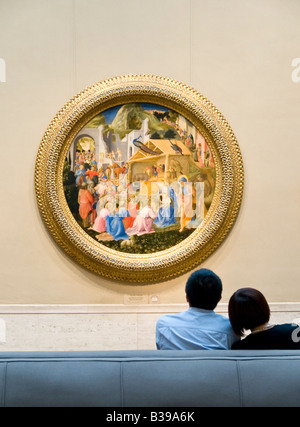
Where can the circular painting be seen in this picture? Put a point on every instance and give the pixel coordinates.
(139, 178)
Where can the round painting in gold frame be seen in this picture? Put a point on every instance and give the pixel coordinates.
(171, 138)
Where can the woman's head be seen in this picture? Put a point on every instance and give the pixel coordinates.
(248, 309)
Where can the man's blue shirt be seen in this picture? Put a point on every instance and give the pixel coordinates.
(194, 329)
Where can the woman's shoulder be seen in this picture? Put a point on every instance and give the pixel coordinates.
(286, 335)
(288, 329)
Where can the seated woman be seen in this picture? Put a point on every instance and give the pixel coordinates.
(166, 214)
(249, 311)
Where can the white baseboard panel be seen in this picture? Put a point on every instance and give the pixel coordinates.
(76, 327)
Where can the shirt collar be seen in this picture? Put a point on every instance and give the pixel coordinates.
(201, 310)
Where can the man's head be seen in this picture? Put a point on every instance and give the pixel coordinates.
(203, 289)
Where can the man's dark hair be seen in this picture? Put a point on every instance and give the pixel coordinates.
(204, 289)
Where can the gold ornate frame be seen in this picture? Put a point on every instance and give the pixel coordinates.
(141, 268)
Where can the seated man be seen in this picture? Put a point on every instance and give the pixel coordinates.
(198, 328)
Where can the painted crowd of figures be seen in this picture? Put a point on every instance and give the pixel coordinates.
(117, 209)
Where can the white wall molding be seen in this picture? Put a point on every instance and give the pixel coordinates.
(122, 308)
(77, 327)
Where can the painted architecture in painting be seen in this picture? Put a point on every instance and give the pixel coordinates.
(139, 178)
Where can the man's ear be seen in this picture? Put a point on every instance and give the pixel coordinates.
(219, 299)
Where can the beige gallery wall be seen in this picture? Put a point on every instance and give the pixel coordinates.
(238, 53)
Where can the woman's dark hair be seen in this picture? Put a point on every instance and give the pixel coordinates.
(247, 308)
(203, 289)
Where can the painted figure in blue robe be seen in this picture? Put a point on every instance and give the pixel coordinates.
(166, 214)
(115, 227)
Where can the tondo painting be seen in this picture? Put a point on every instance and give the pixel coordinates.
(139, 177)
